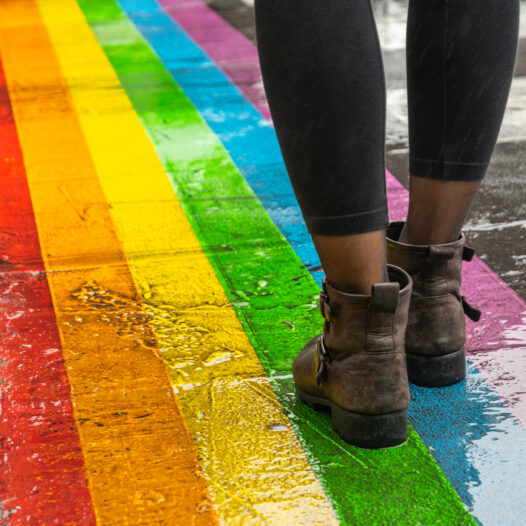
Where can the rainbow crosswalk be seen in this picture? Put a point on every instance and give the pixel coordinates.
(156, 288)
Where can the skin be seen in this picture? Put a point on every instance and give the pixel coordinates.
(437, 211)
(353, 263)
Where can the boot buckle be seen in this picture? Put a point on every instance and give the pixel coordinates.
(467, 253)
(325, 307)
(324, 360)
(471, 312)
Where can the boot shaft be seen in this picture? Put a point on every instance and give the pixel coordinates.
(436, 324)
(360, 323)
(435, 269)
(358, 363)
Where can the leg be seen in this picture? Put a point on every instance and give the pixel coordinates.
(323, 76)
(353, 263)
(460, 58)
(437, 210)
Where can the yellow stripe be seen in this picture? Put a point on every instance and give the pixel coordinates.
(256, 470)
(139, 456)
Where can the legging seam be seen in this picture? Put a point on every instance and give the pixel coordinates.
(382, 208)
(448, 163)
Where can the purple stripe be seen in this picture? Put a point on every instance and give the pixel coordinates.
(501, 330)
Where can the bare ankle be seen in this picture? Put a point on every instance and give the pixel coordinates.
(353, 263)
(437, 210)
(358, 281)
(427, 235)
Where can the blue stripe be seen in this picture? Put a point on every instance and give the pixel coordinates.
(476, 440)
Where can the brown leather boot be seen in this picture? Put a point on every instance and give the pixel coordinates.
(436, 331)
(357, 366)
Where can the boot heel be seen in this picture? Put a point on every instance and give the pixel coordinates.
(370, 431)
(436, 371)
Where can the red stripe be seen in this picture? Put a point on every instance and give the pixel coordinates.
(42, 474)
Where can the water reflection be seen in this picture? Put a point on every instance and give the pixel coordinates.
(478, 443)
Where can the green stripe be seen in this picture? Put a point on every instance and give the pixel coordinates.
(273, 294)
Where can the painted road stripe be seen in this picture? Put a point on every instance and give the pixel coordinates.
(456, 442)
(253, 461)
(236, 56)
(502, 327)
(231, 51)
(502, 331)
(39, 443)
(139, 457)
(273, 293)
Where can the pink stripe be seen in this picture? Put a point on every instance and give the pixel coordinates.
(233, 53)
(501, 330)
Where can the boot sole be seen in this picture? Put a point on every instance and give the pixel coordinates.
(364, 431)
(436, 371)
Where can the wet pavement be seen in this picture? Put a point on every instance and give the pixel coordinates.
(157, 281)
(497, 216)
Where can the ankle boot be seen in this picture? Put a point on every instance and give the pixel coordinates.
(436, 331)
(357, 366)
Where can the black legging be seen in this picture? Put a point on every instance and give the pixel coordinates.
(323, 75)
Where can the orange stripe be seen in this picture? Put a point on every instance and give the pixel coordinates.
(225, 396)
(140, 460)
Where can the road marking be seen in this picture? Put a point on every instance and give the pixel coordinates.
(255, 472)
(41, 456)
(139, 457)
(252, 145)
(263, 277)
